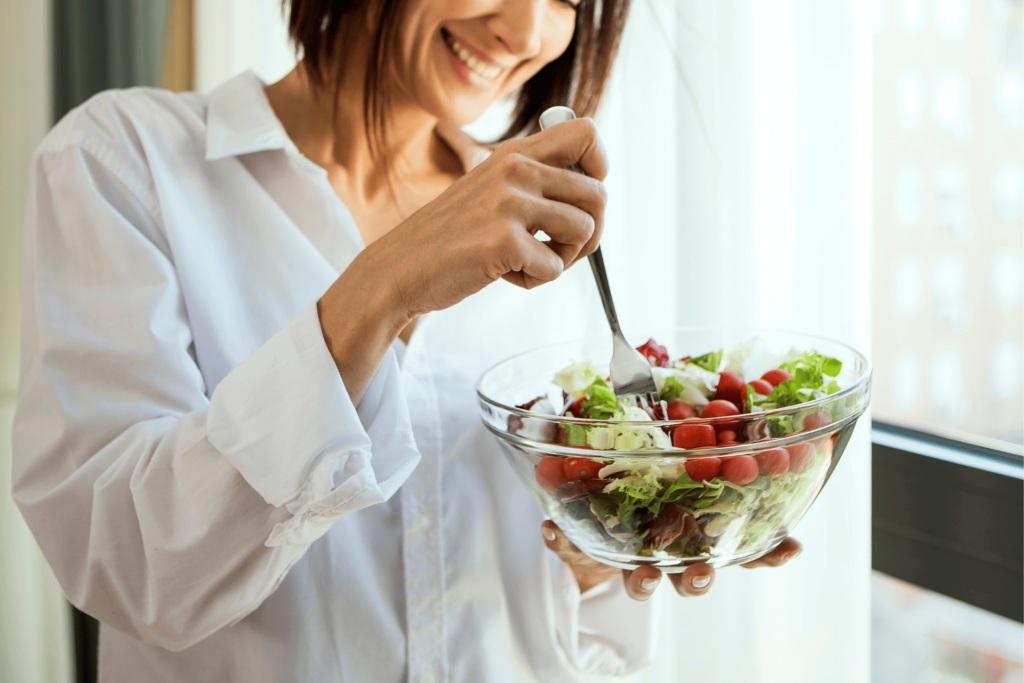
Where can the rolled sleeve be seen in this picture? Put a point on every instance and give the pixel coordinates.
(602, 632)
(284, 419)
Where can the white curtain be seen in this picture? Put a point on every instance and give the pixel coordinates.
(740, 138)
(35, 631)
(740, 134)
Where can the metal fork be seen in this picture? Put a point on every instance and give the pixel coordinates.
(630, 372)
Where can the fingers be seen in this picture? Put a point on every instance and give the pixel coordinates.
(557, 543)
(786, 551)
(568, 143)
(640, 583)
(696, 580)
(588, 572)
(586, 194)
(533, 263)
(569, 228)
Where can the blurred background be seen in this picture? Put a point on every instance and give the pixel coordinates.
(849, 168)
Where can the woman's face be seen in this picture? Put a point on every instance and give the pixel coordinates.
(459, 56)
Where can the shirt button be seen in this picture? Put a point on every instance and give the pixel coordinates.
(428, 677)
(420, 522)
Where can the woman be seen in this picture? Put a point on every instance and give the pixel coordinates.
(247, 439)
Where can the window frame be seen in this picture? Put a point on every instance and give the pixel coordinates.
(920, 484)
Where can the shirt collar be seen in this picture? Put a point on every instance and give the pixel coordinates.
(239, 120)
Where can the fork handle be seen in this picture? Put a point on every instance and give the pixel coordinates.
(549, 118)
(597, 265)
(601, 276)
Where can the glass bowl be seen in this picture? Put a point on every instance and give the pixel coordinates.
(722, 520)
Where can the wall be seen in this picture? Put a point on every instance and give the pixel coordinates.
(35, 635)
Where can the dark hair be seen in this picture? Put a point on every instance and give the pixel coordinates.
(577, 78)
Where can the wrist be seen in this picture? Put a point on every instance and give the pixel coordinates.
(361, 315)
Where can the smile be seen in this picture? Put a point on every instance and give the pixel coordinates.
(477, 66)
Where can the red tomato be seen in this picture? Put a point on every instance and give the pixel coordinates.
(772, 463)
(759, 386)
(576, 409)
(727, 436)
(739, 469)
(816, 421)
(704, 469)
(719, 408)
(581, 468)
(693, 436)
(680, 411)
(801, 455)
(730, 386)
(776, 377)
(656, 355)
(551, 473)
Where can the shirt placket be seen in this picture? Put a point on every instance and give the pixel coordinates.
(421, 523)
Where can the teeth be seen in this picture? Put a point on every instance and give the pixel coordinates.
(466, 57)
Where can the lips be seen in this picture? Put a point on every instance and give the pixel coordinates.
(471, 61)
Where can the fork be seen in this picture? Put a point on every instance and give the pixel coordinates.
(630, 372)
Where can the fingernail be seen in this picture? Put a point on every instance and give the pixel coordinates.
(790, 556)
(700, 581)
(649, 584)
(548, 533)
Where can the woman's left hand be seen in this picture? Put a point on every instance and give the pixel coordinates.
(640, 583)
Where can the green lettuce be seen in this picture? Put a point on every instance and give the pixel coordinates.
(601, 403)
(709, 361)
(672, 390)
(813, 378)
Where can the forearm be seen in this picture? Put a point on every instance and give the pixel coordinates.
(361, 316)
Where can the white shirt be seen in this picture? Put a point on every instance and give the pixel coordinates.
(189, 460)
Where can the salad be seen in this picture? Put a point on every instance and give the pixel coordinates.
(694, 506)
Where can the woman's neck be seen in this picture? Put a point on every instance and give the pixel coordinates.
(334, 135)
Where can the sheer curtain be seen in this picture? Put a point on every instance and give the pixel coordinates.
(740, 140)
(739, 133)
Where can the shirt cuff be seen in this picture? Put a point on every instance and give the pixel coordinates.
(603, 632)
(284, 419)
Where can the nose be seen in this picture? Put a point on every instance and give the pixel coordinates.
(517, 26)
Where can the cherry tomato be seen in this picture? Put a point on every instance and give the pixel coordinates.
(730, 386)
(772, 463)
(727, 436)
(776, 377)
(693, 436)
(801, 455)
(704, 469)
(759, 386)
(719, 408)
(551, 473)
(680, 411)
(816, 421)
(656, 355)
(739, 469)
(576, 409)
(581, 468)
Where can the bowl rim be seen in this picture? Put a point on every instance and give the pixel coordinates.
(850, 390)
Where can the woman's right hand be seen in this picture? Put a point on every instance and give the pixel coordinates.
(483, 226)
(480, 229)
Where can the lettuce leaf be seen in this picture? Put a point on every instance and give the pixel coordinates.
(601, 403)
(709, 361)
(672, 390)
(575, 378)
(810, 371)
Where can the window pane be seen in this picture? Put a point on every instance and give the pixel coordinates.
(923, 637)
(948, 341)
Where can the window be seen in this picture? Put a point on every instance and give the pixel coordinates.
(948, 341)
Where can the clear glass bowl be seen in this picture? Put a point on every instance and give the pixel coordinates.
(718, 521)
